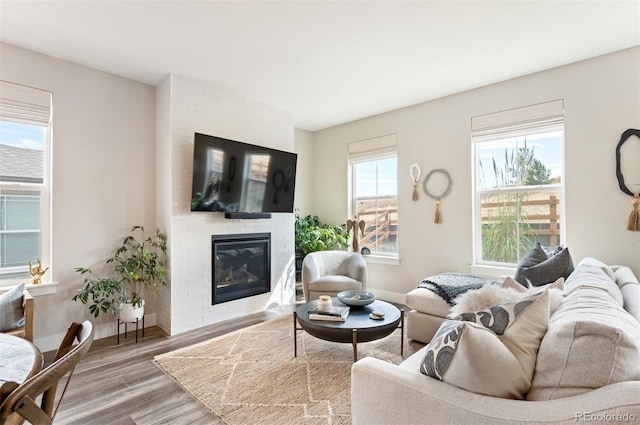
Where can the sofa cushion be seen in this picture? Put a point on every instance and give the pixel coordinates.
(11, 310)
(471, 357)
(591, 341)
(520, 325)
(428, 302)
(334, 283)
(596, 275)
(630, 289)
(539, 269)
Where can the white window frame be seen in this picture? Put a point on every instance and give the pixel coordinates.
(27, 105)
(528, 120)
(378, 148)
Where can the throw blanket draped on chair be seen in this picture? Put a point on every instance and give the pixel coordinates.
(450, 285)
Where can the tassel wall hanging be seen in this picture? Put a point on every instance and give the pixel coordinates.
(438, 216)
(415, 172)
(634, 217)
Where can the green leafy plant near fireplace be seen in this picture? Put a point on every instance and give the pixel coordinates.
(311, 236)
(138, 265)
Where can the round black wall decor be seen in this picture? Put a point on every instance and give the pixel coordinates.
(623, 138)
(634, 217)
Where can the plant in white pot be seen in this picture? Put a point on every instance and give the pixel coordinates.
(137, 265)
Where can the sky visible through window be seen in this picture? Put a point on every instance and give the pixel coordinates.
(377, 178)
(546, 148)
(22, 135)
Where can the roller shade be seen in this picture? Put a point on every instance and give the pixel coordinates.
(376, 148)
(519, 121)
(25, 105)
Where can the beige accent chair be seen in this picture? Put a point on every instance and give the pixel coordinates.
(330, 272)
(26, 331)
(21, 403)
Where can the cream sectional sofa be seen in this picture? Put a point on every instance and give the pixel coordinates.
(428, 311)
(587, 367)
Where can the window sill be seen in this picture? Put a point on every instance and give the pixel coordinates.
(381, 259)
(492, 272)
(44, 288)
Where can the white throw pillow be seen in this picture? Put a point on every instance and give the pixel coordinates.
(471, 357)
(520, 325)
(555, 291)
(510, 282)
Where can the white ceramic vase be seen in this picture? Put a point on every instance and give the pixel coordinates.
(129, 313)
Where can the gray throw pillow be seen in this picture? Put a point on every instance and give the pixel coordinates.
(538, 269)
(11, 312)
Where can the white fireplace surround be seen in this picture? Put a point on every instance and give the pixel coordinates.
(184, 107)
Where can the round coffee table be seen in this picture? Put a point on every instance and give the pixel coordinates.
(357, 328)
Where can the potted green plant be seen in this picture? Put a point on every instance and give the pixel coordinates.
(137, 265)
(311, 236)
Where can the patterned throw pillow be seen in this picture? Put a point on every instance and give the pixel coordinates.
(472, 357)
(536, 268)
(11, 313)
(520, 325)
(511, 283)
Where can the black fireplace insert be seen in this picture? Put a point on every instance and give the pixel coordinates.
(240, 266)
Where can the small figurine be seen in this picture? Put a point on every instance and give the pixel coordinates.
(356, 225)
(37, 272)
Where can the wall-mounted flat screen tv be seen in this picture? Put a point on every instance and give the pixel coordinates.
(235, 177)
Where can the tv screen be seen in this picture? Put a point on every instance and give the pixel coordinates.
(233, 177)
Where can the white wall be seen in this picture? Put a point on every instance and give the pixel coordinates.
(186, 106)
(103, 176)
(304, 171)
(602, 99)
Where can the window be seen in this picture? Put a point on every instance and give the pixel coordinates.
(374, 193)
(25, 131)
(518, 182)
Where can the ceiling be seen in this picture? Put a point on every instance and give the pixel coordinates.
(324, 62)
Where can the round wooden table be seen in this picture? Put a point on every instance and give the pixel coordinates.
(357, 328)
(19, 361)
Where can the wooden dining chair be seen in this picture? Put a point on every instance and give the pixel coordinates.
(21, 404)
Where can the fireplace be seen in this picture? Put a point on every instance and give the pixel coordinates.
(240, 266)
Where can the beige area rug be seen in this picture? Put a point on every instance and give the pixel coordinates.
(250, 376)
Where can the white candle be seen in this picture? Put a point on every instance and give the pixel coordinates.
(324, 302)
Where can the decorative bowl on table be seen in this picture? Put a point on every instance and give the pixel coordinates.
(356, 298)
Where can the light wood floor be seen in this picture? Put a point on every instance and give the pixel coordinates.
(120, 384)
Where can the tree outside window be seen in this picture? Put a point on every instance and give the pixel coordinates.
(518, 194)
